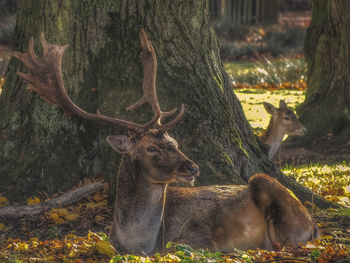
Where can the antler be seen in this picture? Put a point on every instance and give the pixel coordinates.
(45, 78)
(149, 62)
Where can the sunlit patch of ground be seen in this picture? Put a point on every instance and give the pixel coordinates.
(269, 81)
(330, 181)
(252, 102)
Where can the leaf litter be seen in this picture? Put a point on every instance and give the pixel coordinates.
(79, 233)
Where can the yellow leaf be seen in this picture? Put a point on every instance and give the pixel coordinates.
(99, 204)
(327, 237)
(332, 198)
(3, 201)
(71, 217)
(292, 194)
(347, 188)
(171, 258)
(21, 246)
(262, 32)
(56, 218)
(60, 211)
(64, 213)
(1, 226)
(105, 248)
(99, 218)
(34, 242)
(92, 236)
(99, 197)
(91, 205)
(72, 253)
(33, 200)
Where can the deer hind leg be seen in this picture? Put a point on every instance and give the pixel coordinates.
(288, 220)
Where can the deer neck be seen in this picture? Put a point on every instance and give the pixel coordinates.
(138, 208)
(273, 137)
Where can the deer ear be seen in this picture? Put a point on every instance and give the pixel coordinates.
(269, 108)
(120, 143)
(283, 105)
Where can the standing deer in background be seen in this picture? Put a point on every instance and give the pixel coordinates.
(214, 217)
(283, 121)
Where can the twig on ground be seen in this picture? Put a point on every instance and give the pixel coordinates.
(66, 199)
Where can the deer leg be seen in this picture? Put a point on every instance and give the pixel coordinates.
(291, 222)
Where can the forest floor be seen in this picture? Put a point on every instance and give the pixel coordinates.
(268, 67)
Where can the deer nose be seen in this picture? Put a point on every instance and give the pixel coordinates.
(190, 166)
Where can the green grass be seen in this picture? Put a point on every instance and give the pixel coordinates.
(277, 71)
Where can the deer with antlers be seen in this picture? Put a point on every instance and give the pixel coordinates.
(148, 213)
(283, 121)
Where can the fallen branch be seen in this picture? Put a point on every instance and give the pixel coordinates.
(66, 199)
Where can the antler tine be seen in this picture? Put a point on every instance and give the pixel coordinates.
(45, 78)
(149, 62)
(174, 121)
(44, 44)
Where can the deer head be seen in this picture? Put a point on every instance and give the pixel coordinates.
(158, 154)
(285, 119)
(150, 144)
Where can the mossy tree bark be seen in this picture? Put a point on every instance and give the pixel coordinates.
(326, 109)
(41, 150)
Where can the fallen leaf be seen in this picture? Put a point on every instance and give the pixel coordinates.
(33, 200)
(71, 217)
(65, 213)
(105, 248)
(99, 197)
(99, 218)
(3, 201)
(99, 204)
(56, 218)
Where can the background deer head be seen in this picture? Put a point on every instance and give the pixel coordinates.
(285, 119)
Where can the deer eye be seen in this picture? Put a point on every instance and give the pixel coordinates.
(152, 149)
(287, 119)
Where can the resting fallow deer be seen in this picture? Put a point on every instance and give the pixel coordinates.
(283, 121)
(148, 213)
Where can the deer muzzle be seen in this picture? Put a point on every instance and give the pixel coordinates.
(188, 171)
(301, 131)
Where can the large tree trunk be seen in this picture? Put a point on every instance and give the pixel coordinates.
(41, 150)
(326, 110)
